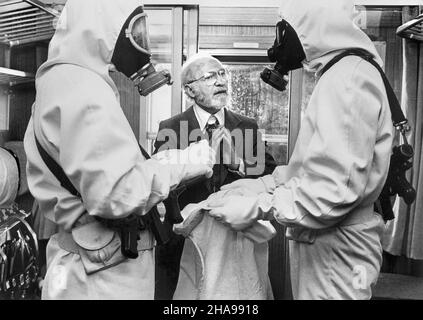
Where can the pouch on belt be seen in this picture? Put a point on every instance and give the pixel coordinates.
(98, 246)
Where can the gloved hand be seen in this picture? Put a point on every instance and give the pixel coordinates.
(240, 212)
(255, 186)
(196, 160)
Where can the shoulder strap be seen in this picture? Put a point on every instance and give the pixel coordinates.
(144, 152)
(58, 172)
(56, 169)
(398, 117)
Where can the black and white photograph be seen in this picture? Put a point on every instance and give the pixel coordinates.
(211, 155)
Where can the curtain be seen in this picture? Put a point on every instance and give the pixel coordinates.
(404, 235)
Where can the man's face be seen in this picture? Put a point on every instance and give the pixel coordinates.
(210, 91)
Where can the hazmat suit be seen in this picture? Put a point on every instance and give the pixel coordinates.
(78, 120)
(325, 195)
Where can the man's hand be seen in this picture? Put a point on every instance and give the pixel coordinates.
(196, 160)
(217, 137)
(230, 158)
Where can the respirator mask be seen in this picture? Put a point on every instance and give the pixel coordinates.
(132, 55)
(288, 54)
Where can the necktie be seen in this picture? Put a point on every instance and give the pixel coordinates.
(211, 125)
(218, 169)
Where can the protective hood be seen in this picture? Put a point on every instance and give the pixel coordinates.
(86, 35)
(325, 29)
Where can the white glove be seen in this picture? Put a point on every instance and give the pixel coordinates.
(240, 212)
(196, 160)
(256, 186)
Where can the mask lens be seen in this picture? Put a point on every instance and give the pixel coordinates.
(138, 33)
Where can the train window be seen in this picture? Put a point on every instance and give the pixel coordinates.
(251, 97)
(239, 38)
(173, 33)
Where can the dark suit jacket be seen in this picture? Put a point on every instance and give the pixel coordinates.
(181, 130)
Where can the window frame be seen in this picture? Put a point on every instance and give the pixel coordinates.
(182, 15)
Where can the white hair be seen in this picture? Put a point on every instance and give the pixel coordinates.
(192, 61)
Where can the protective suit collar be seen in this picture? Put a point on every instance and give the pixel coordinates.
(325, 29)
(86, 35)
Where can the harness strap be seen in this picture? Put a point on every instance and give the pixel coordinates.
(56, 170)
(398, 117)
(59, 173)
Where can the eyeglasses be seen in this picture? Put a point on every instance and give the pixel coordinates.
(210, 78)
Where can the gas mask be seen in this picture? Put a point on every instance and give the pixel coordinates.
(132, 55)
(288, 54)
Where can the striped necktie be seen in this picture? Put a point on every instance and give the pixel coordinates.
(218, 169)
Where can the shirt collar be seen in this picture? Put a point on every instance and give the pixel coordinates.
(203, 116)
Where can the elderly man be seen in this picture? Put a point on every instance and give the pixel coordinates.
(325, 195)
(242, 151)
(84, 161)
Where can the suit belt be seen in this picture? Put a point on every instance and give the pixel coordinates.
(357, 216)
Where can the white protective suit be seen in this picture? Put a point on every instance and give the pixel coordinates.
(78, 120)
(325, 195)
(340, 161)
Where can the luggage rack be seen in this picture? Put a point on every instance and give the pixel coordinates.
(26, 21)
(10, 77)
(412, 29)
